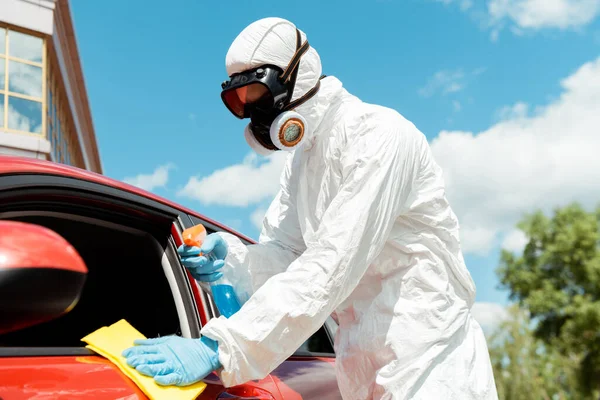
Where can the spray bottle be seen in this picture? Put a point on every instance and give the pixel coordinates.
(222, 290)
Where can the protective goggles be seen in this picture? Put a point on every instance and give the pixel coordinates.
(266, 87)
(258, 88)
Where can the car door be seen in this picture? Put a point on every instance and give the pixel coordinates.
(310, 372)
(128, 243)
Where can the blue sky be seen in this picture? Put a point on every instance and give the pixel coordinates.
(496, 86)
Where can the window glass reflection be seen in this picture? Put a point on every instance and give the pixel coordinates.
(58, 141)
(50, 103)
(2, 72)
(54, 119)
(52, 134)
(65, 148)
(24, 115)
(24, 79)
(25, 46)
(2, 41)
(49, 116)
(1, 110)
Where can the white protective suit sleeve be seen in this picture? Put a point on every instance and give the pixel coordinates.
(292, 305)
(248, 267)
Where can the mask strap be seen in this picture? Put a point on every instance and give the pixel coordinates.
(306, 97)
(292, 67)
(291, 72)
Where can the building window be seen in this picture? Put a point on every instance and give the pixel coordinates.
(21, 82)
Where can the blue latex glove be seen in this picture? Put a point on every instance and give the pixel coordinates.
(205, 268)
(173, 360)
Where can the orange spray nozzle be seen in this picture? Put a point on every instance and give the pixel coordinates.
(194, 236)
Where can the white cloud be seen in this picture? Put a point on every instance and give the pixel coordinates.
(517, 111)
(463, 4)
(466, 4)
(257, 217)
(533, 15)
(239, 185)
(489, 315)
(25, 79)
(149, 182)
(479, 71)
(26, 116)
(457, 105)
(444, 81)
(528, 160)
(449, 81)
(494, 36)
(515, 241)
(26, 46)
(522, 16)
(477, 239)
(538, 14)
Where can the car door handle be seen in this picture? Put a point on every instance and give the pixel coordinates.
(246, 393)
(230, 396)
(226, 395)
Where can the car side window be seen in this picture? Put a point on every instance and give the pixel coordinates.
(125, 280)
(320, 342)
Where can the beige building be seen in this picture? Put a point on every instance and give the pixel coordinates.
(44, 109)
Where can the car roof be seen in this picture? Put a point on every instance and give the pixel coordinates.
(27, 165)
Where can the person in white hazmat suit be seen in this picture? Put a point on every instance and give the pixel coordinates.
(360, 229)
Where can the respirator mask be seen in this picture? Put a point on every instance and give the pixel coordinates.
(264, 95)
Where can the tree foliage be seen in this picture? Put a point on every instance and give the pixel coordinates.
(525, 368)
(557, 280)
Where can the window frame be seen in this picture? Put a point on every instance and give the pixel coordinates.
(82, 194)
(6, 58)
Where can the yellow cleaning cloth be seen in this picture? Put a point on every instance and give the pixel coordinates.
(110, 342)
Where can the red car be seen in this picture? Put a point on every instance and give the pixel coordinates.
(49, 209)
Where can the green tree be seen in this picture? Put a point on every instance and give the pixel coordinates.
(526, 369)
(557, 280)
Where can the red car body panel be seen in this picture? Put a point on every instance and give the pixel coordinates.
(62, 378)
(93, 377)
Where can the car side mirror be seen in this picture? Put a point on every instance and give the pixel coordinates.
(41, 275)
